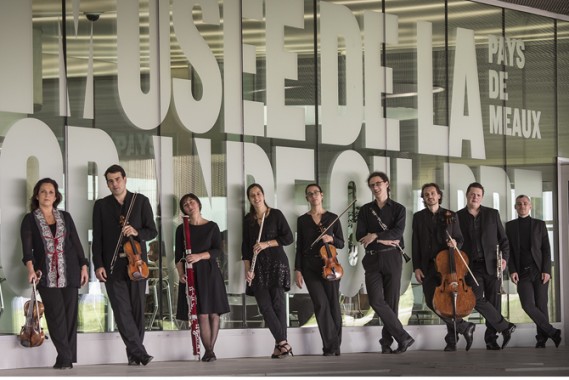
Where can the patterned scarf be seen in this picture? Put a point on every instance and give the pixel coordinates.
(53, 247)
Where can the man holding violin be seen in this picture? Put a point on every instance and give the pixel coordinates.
(380, 227)
(431, 234)
(112, 245)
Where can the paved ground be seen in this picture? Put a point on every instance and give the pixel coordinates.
(477, 362)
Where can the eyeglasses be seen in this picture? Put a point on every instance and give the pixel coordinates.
(375, 184)
(313, 193)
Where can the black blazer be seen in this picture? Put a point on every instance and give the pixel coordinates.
(107, 228)
(540, 249)
(430, 238)
(33, 249)
(493, 234)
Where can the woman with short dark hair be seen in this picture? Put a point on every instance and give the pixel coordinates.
(211, 295)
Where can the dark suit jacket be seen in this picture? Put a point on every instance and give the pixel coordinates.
(493, 234)
(540, 249)
(430, 238)
(107, 228)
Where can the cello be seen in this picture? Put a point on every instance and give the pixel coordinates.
(453, 298)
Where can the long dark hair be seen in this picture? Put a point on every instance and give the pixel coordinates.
(34, 203)
(252, 209)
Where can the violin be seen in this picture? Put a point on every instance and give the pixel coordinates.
(137, 268)
(332, 270)
(453, 298)
(31, 333)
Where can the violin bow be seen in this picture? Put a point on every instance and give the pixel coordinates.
(332, 223)
(128, 212)
(462, 258)
(254, 259)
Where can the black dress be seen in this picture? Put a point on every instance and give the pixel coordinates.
(210, 288)
(271, 268)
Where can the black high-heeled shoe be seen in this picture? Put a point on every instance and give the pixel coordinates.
(287, 350)
(276, 356)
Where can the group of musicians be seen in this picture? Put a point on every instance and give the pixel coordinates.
(51, 247)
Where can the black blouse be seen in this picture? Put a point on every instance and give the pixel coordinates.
(271, 268)
(308, 231)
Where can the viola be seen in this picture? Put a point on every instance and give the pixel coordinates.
(137, 268)
(453, 298)
(31, 333)
(332, 270)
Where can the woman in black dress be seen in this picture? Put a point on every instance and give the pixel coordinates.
(54, 256)
(210, 289)
(271, 277)
(325, 295)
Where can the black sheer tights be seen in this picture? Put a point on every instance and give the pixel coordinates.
(209, 328)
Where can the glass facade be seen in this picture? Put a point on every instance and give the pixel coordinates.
(210, 96)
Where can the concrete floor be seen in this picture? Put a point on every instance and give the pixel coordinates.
(516, 361)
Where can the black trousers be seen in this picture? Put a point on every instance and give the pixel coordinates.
(128, 300)
(325, 296)
(488, 300)
(534, 297)
(271, 302)
(61, 309)
(383, 284)
(430, 283)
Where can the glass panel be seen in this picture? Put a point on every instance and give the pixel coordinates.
(531, 149)
(220, 97)
(562, 86)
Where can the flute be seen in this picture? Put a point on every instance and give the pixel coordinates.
(254, 260)
(191, 294)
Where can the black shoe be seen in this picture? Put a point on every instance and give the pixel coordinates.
(507, 334)
(276, 356)
(146, 359)
(540, 344)
(556, 338)
(469, 335)
(328, 353)
(58, 365)
(404, 345)
(386, 349)
(492, 346)
(212, 357)
(133, 361)
(337, 353)
(450, 347)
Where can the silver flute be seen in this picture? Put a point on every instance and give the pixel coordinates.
(499, 273)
